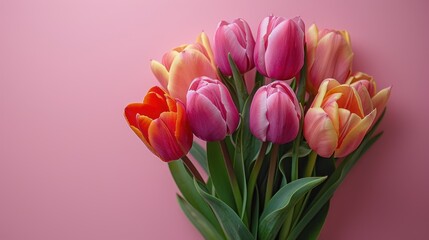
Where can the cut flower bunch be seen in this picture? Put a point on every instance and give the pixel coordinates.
(278, 140)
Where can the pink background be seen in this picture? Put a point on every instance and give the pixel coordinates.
(70, 168)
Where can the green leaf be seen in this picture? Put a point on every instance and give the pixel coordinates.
(274, 216)
(303, 151)
(332, 184)
(312, 230)
(200, 155)
(185, 183)
(219, 174)
(231, 223)
(238, 82)
(255, 213)
(199, 221)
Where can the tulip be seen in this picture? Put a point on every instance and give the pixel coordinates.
(182, 64)
(211, 111)
(336, 122)
(329, 55)
(161, 123)
(234, 38)
(275, 113)
(367, 90)
(279, 49)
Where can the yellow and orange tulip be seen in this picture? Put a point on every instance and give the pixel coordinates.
(367, 90)
(336, 122)
(161, 123)
(183, 64)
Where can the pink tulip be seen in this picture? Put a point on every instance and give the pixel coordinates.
(275, 113)
(234, 38)
(336, 122)
(184, 63)
(279, 50)
(161, 123)
(211, 111)
(329, 55)
(367, 90)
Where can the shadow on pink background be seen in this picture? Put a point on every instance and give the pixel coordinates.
(70, 168)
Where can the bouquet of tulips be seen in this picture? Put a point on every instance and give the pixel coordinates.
(278, 140)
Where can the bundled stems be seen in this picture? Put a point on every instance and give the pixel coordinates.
(271, 173)
(232, 178)
(254, 175)
(192, 168)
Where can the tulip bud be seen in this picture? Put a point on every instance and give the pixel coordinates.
(329, 55)
(275, 113)
(182, 64)
(211, 111)
(336, 122)
(234, 38)
(161, 123)
(279, 49)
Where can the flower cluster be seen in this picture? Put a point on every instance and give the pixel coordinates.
(275, 154)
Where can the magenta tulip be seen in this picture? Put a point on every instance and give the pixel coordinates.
(210, 109)
(275, 113)
(279, 49)
(234, 38)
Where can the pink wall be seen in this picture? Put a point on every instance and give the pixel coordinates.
(70, 168)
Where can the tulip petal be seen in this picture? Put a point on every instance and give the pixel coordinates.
(160, 73)
(286, 118)
(380, 100)
(188, 65)
(320, 132)
(142, 131)
(183, 131)
(355, 135)
(205, 119)
(163, 140)
(204, 40)
(258, 121)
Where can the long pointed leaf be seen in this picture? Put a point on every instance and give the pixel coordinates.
(219, 174)
(185, 183)
(231, 223)
(200, 155)
(274, 216)
(199, 221)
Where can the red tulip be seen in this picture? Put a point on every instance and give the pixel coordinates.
(161, 123)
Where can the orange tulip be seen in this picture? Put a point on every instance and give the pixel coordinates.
(336, 122)
(367, 90)
(329, 55)
(161, 123)
(183, 64)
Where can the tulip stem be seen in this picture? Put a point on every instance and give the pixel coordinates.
(192, 168)
(254, 176)
(271, 173)
(310, 164)
(232, 177)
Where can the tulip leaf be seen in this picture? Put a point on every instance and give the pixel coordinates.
(255, 213)
(199, 221)
(200, 155)
(185, 183)
(219, 174)
(275, 214)
(312, 230)
(238, 82)
(231, 223)
(332, 184)
(303, 151)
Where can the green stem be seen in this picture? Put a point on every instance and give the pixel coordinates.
(310, 164)
(294, 172)
(192, 168)
(254, 176)
(271, 173)
(232, 178)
